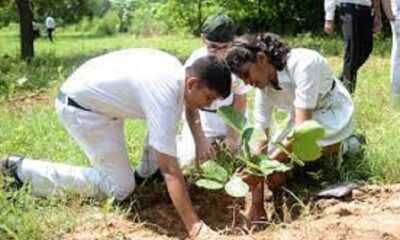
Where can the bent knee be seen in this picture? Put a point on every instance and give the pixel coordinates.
(123, 188)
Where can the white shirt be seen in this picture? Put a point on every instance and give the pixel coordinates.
(330, 6)
(306, 82)
(50, 23)
(134, 83)
(211, 123)
(395, 5)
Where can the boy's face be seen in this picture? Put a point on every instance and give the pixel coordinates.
(216, 48)
(198, 96)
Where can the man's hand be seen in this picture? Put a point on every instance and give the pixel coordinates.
(204, 150)
(377, 24)
(261, 147)
(252, 181)
(204, 233)
(276, 180)
(230, 142)
(329, 26)
(178, 192)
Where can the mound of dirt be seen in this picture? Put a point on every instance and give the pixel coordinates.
(373, 212)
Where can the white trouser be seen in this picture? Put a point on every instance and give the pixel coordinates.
(395, 69)
(102, 139)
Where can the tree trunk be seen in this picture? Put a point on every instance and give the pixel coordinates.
(26, 30)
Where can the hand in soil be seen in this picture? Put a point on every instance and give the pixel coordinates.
(276, 180)
(206, 233)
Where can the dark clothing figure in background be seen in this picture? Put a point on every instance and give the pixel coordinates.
(50, 25)
(36, 30)
(360, 20)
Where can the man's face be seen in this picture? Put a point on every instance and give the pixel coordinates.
(216, 48)
(258, 74)
(197, 96)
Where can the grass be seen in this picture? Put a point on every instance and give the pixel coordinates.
(33, 129)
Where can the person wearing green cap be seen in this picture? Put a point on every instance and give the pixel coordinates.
(204, 126)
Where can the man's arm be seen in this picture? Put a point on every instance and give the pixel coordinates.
(387, 8)
(204, 149)
(178, 192)
(378, 16)
(329, 6)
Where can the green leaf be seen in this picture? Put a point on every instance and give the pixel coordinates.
(232, 117)
(209, 184)
(269, 166)
(266, 166)
(236, 187)
(304, 140)
(214, 171)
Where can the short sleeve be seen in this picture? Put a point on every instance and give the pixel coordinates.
(329, 6)
(307, 77)
(162, 128)
(262, 110)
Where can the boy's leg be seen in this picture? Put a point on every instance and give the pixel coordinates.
(102, 139)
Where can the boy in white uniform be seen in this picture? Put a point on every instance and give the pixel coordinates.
(203, 126)
(300, 82)
(392, 11)
(93, 104)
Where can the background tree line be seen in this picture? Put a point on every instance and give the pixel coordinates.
(155, 17)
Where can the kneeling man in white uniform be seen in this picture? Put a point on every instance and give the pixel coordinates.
(93, 104)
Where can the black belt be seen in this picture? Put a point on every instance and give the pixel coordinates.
(355, 6)
(69, 101)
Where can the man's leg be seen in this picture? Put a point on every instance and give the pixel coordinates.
(365, 25)
(102, 139)
(395, 69)
(351, 43)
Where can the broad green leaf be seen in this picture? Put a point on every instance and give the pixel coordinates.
(232, 117)
(214, 171)
(209, 184)
(265, 166)
(269, 166)
(236, 187)
(304, 140)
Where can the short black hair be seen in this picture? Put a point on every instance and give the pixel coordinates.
(212, 72)
(246, 48)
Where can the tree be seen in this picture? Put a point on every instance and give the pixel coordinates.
(26, 31)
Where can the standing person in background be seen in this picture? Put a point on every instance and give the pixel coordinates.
(392, 11)
(36, 29)
(204, 126)
(50, 25)
(360, 20)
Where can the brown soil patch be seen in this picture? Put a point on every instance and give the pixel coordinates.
(373, 212)
(27, 101)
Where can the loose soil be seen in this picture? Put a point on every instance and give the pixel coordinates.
(372, 212)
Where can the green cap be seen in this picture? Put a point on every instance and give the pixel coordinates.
(219, 28)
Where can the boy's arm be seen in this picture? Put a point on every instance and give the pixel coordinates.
(178, 192)
(387, 8)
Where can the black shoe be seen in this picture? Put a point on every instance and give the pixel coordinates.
(8, 169)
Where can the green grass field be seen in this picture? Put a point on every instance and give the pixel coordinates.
(31, 128)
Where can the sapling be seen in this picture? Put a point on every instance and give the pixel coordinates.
(216, 175)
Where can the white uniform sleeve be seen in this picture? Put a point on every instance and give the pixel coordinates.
(262, 110)
(307, 77)
(330, 6)
(162, 125)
